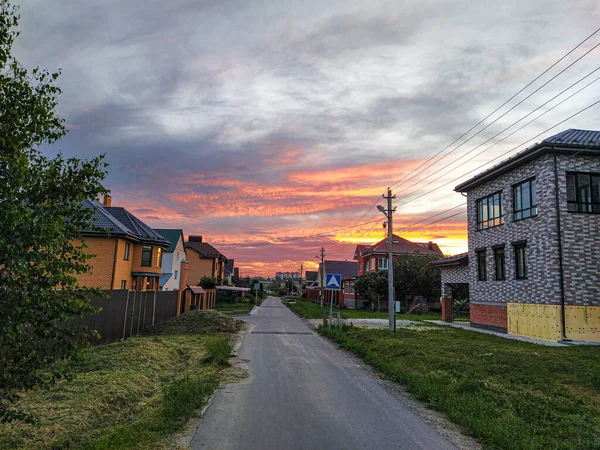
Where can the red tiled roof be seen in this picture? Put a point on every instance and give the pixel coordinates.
(399, 246)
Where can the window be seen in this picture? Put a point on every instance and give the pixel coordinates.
(500, 262)
(481, 266)
(521, 261)
(158, 257)
(382, 263)
(177, 274)
(177, 256)
(525, 199)
(583, 192)
(150, 283)
(489, 211)
(146, 256)
(127, 248)
(124, 284)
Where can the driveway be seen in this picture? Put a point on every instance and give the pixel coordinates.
(303, 393)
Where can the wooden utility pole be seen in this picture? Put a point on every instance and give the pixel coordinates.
(390, 248)
(322, 269)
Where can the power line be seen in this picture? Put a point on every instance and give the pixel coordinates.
(503, 154)
(514, 132)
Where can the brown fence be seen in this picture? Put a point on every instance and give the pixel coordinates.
(128, 313)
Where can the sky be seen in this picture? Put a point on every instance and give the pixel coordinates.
(271, 127)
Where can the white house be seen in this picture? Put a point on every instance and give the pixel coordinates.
(172, 258)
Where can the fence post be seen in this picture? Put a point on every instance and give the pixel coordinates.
(125, 318)
(154, 309)
(132, 313)
(339, 320)
(140, 312)
(324, 318)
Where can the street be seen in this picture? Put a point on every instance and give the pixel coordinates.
(303, 393)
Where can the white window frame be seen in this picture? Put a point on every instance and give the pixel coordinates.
(381, 265)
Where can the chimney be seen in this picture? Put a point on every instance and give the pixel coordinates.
(192, 238)
(430, 245)
(107, 201)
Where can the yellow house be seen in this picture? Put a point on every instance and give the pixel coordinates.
(128, 252)
(204, 261)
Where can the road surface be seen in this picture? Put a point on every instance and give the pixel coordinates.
(303, 393)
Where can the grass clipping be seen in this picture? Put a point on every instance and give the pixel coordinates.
(196, 322)
(132, 394)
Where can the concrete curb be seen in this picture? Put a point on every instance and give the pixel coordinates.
(255, 310)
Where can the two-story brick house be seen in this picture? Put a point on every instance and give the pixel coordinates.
(534, 240)
(128, 252)
(204, 260)
(375, 257)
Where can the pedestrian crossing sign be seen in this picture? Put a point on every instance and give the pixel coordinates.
(333, 281)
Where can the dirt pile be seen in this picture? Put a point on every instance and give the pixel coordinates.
(196, 322)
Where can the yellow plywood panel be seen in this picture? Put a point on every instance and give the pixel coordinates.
(583, 323)
(534, 321)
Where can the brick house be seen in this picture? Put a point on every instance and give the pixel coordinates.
(128, 252)
(534, 240)
(347, 269)
(204, 260)
(374, 257)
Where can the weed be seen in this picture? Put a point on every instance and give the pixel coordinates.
(218, 351)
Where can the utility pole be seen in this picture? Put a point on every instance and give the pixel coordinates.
(301, 271)
(390, 247)
(322, 270)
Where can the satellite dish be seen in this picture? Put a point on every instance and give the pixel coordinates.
(382, 209)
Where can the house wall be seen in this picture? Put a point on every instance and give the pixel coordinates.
(453, 275)
(101, 273)
(199, 267)
(122, 266)
(172, 263)
(496, 303)
(136, 265)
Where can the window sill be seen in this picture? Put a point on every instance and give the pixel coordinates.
(489, 228)
(524, 218)
(521, 279)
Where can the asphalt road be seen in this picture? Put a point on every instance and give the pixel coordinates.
(303, 393)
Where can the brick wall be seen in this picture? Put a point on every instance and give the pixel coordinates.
(198, 267)
(123, 266)
(136, 264)
(489, 316)
(453, 275)
(102, 265)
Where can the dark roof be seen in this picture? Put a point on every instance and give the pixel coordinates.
(311, 275)
(461, 259)
(229, 266)
(585, 142)
(120, 222)
(205, 249)
(172, 235)
(399, 246)
(347, 269)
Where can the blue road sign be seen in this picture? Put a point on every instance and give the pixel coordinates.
(333, 281)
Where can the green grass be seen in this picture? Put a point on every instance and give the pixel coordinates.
(235, 309)
(129, 395)
(506, 393)
(311, 310)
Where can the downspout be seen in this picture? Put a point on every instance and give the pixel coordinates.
(560, 252)
(112, 278)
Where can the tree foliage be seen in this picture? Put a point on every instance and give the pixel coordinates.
(41, 217)
(373, 285)
(413, 276)
(207, 282)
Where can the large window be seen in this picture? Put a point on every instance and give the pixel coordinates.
(146, 256)
(481, 265)
(521, 261)
(583, 192)
(525, 199)
(127, 249)
(500, 262)
(158, 257)
(489, 211)
(382, 263)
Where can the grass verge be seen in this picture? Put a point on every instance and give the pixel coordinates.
(130, 395)
(234, 309)
(508, 394)
(311, 310)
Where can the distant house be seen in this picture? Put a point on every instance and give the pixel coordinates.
(204, 260)
(128, 252)
(172, 259)
(230, 272)
(534, 240)
(375, 257)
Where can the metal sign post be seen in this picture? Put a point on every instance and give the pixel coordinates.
(333, 283)
(256, 288)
